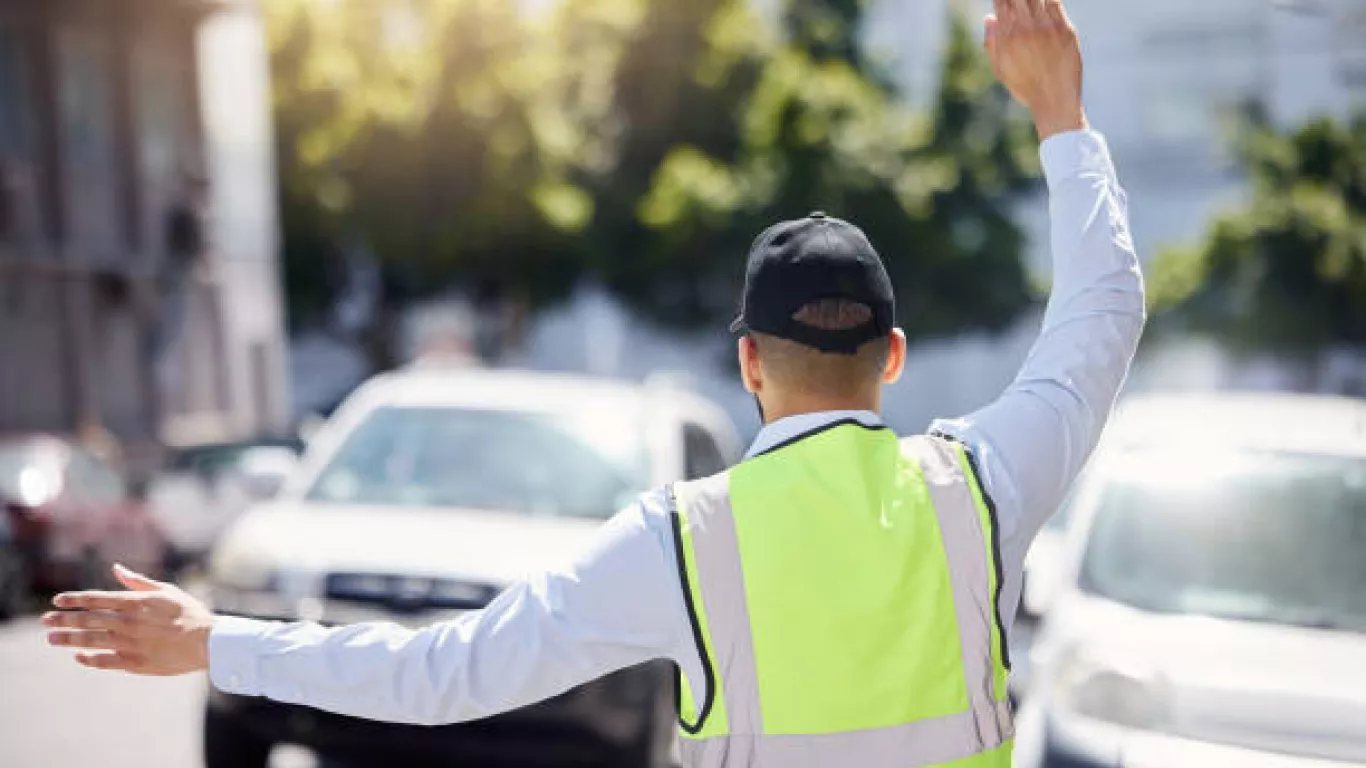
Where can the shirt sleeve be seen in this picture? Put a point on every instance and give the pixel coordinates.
(616, 605)
(1031, 443)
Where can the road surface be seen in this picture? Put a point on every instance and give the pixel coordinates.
(54, 712)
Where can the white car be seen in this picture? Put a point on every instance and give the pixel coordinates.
(1210, 608)
(427, 493)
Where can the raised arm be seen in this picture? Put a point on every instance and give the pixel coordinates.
(1032, 442)
(616, 605)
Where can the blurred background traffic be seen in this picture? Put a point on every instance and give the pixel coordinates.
(349, 309)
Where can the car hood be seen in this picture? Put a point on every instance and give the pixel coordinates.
(1276, 688)
(490, 547)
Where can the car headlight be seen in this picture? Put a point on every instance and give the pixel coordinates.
(283, 594)
(1118, 691)
(230, 570)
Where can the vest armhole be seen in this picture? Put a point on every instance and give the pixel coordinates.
(709, 677)
(994, 522)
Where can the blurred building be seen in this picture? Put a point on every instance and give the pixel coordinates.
(1165, 81)
(138, 286)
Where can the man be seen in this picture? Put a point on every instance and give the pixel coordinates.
(841, 597)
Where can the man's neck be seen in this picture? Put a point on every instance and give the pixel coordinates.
(784, 410)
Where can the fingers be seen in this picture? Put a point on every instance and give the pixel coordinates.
(1056, 12)
(1020, 10)
(122, 602)
(96, 639)
(135, 581)
(99, 600)
(122, 660)
(92, 620)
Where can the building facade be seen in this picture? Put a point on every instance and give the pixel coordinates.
(1165, 82)
(134, 232)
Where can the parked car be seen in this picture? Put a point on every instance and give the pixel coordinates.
(72, 514)
(1211, 605)
(14, 575)
(458, 483)
(204, 487)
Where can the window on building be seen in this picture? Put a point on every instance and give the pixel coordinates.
(14, 95)
(15, 133)
(86, 72)
(261, 385)
(1194, 123)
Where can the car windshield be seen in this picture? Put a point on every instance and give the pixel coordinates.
(571, 465)
(1252, 536)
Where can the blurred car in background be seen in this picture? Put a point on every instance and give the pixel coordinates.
(203, 488)
(14, 576)
(426, 494)
(1211, 602)
(72, 514)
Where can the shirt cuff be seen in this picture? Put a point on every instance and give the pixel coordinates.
(1071, 154)
(233, 644)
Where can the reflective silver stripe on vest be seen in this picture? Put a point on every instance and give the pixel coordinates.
(716, 552)
(960, 525)
(922, 743)
(984, 727)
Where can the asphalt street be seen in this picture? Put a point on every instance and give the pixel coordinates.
(55, 713)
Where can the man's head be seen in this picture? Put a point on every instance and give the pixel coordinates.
(817, 320)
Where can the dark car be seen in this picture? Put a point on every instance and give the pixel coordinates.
(14, 578)
(71, 514)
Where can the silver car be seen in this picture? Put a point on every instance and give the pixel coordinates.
(425, 495)
(1210, 603)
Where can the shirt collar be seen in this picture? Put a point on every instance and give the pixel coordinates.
(785, 429)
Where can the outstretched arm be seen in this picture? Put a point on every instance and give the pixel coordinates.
(1033, 441)
(617, 605)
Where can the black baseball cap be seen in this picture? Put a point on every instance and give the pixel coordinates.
(795, 263)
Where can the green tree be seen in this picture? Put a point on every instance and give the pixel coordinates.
(1286, 273)
(821, 128)
(437, 133)
(642, 142)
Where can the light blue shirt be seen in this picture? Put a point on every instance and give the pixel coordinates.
(620, 602)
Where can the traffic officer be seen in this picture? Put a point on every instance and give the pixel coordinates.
(841, 596)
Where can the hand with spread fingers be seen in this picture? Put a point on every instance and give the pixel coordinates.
(1035, 53)
(152, 629)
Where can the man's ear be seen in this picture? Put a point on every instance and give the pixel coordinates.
(751, 373)
(896, 357)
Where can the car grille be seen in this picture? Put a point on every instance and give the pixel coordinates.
(408, 593)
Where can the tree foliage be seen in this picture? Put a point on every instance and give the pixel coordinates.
(641, 142)
(1287, 272)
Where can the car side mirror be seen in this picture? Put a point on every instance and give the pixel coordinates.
(265, 470)
(309, 427)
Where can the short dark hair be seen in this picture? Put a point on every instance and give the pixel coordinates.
(825, 373)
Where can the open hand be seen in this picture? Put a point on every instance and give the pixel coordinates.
(1035, 53)
(152, 629)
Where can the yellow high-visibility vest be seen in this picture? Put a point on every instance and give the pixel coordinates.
(843, 593)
